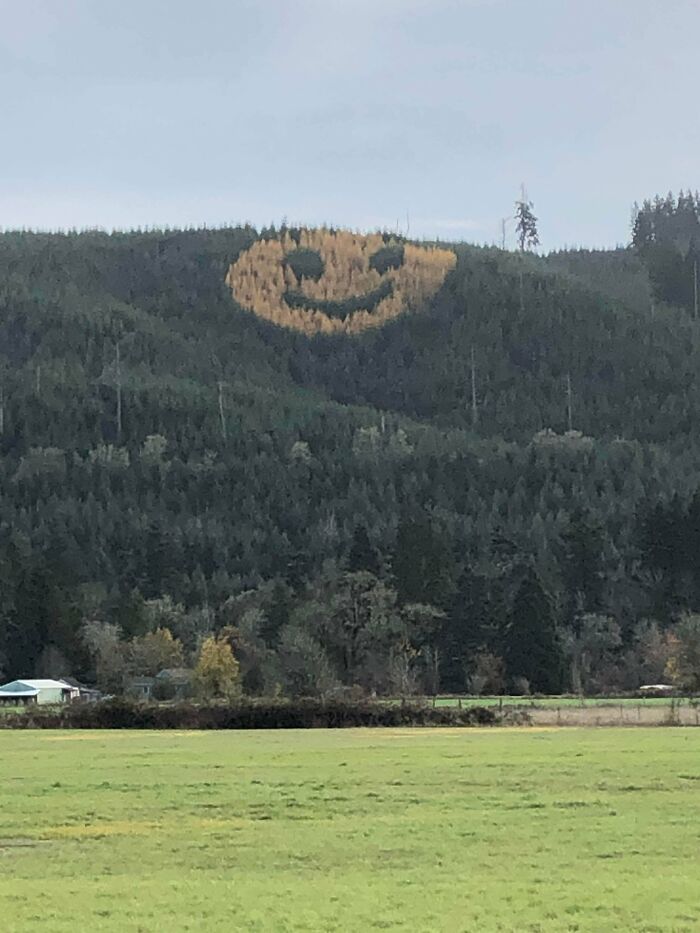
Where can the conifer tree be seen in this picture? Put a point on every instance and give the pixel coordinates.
(421, 563)
(362, 555)
(467, 628)
(581, 560)
(532, 648)
(278, 612)
(525, 223)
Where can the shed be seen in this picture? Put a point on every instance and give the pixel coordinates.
(657, 690)
(37, 691)
(85, 694)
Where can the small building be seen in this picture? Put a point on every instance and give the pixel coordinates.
(657, 690)
(85, 694)
(173, 683)
(42, 692)
(139, 688)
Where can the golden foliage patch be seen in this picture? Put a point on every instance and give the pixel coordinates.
(260, 279)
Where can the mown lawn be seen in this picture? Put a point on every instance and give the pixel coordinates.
(351, 830)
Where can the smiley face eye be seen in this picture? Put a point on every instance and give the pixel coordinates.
(305, 263)
(388, 257)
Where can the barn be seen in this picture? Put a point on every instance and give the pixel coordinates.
(20, 692)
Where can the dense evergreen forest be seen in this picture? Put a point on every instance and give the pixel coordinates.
(497, 490)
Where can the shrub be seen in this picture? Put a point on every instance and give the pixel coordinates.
(247, 714)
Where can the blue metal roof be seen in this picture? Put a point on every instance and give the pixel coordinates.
(18, 688)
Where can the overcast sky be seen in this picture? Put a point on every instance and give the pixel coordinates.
(123, 113)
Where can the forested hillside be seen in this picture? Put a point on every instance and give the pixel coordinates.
(495, 489)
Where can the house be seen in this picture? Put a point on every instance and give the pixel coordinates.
(170, 684)
(37, 691)
(173, 683)
(139, 688)
(85, 694)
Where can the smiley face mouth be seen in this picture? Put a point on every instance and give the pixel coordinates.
(334, 281)
(341, 310)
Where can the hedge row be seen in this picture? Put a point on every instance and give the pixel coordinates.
(245, 714)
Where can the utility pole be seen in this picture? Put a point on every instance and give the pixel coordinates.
(216, 363)
(569, 414)
(475, 409)
(695, 289)
(118, 380)
(222, 413)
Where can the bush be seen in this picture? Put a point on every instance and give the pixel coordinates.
(247, 714)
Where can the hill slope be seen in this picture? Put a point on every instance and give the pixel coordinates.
(157, 440)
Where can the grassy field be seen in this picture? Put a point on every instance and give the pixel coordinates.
(351, 830)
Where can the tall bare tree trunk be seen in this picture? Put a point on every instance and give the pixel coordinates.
(118, 378)
(569, 412)
(222, 413)
(475, 407)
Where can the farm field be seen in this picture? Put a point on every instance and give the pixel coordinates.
(348, 830)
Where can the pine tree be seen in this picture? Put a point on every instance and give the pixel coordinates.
(421, 564)
(525, 223)
(278, 612)
(466, 630)
(582, 561)
(362, 555)
(532, 648)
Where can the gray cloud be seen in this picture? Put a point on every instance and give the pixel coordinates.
(352, 111)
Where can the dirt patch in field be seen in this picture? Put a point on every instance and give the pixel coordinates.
(10, 845)
(623, 715)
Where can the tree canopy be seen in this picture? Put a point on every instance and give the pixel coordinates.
(171, 460)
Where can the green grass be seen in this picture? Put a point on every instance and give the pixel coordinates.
(351, 830)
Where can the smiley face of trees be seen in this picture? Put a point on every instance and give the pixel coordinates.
(333, 281)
